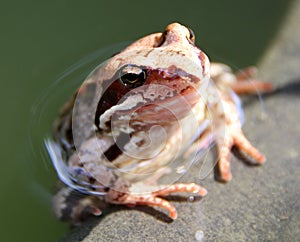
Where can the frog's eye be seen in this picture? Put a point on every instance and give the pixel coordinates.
(132, 76)
(192, 35)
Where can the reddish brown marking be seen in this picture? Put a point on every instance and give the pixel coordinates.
(166, 75)
(203, 59)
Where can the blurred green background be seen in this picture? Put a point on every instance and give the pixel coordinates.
(41, 40)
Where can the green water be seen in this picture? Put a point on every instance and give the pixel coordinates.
(40, 40)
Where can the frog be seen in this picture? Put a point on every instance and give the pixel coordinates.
(156, 103)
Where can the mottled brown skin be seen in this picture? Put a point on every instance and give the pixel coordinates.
(168, 60)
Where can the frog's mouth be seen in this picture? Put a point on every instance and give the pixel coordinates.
(167, 109)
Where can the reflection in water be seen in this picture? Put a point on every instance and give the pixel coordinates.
(47, 105)
(43, 112)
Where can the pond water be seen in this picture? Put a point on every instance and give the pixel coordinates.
(47, 49)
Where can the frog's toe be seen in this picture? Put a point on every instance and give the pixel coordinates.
(149, 200)
(180, 187)
(224, 173)
(243, 144)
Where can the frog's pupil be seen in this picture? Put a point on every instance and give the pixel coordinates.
(132, 78)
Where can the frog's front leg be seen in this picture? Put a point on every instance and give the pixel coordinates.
(153, 198)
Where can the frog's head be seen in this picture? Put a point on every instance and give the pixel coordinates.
(156, 79)
(149, 87)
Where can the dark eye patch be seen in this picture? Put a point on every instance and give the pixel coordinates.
(126, 78)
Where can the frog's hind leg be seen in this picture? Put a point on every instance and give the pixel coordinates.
(73, 206)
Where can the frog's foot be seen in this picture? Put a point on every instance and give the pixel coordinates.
(241, 82)
(246, 83)
(239, 140)
(153, 199)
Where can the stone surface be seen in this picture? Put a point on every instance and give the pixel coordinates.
(260, 203)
